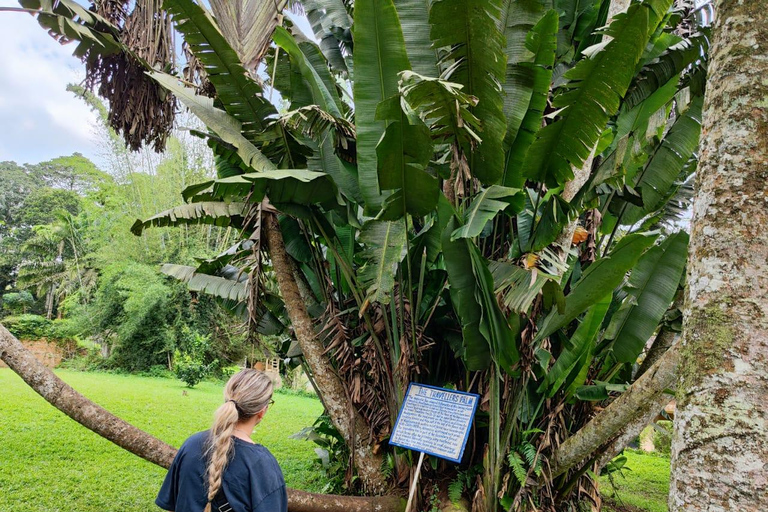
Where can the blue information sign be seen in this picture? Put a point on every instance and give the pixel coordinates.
(435, 421)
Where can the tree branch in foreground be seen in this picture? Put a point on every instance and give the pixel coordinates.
(94, 417)
(635, 403)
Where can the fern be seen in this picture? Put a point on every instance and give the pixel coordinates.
(518, 467)
(456, 489)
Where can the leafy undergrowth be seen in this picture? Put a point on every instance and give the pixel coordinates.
(49, 463)
(643, 487)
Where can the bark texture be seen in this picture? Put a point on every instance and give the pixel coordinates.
(720, 445)
(338, 405)
(94, 417)
(636, 402)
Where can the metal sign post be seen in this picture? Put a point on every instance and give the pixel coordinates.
(434, 421)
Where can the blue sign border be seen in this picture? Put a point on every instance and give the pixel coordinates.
(469, 427)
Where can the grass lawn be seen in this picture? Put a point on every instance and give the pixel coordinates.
(49, 463)
(644, 486)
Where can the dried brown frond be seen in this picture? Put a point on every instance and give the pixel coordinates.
(140, 109)
(592, 221)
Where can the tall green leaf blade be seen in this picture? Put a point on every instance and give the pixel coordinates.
(570, 362)
(321, 94)
(379, 56)
(214, 213)
(662, 171)
(402, 155)
(475, 55)
(599, 279)
(458, 263)
(525, 104)
(225, 126)
(484, 207)
(652, 287)
(414, 16)
(592, 95)
(385, 242)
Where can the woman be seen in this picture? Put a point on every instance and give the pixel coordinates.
(221, 469)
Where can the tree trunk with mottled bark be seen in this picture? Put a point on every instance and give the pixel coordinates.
(720, 445)
(338, 404)
(94, 417)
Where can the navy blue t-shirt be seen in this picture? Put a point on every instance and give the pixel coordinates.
(252, 480)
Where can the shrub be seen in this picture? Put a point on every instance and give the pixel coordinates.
(28, 326)
(159, 371)
(662, 437)
(191, 370)
(17, 303)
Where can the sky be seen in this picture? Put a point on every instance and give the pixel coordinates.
(39, 118)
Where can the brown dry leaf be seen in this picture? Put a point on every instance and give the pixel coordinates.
(580, 235)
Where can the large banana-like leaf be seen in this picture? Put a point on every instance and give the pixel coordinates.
(573, 362)
(222, 287)
(402, 156)
(67, 20)
(215, 213)
(593, 94)
(635, 120)
(475, 58)
(663, 169)
(231, 288)
(414, 16)
(282, 186)
(379, 56)
(651, 289)
(668, 65)
(331, 24)
(247, 26)
(238, 92)
(222, 124)
(443, 106)
(599, 280)
(485, 206)
(527, 91)
(322, 88)
(486, 333)
(322, 95)
(517, 20)
(385, 249)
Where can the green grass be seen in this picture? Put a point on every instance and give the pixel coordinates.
(644, 485)
(49, 463)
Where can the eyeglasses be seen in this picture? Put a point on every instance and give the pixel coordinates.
(271, 403)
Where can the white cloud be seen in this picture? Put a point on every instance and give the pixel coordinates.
(39, 118)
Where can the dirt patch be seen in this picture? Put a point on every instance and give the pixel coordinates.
(47, 352)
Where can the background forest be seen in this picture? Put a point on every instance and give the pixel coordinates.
(71, 271)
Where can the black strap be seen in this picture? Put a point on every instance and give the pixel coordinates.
(220, 503)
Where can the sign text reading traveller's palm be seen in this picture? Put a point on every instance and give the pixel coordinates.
(435, 421)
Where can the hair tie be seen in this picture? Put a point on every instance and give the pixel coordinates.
(230, 400)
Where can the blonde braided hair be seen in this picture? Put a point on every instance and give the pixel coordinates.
(246, 394)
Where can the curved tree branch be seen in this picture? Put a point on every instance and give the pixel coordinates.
(94, 417)
(636, 402)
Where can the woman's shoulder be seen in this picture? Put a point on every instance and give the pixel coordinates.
(195, 442)
(258, 457)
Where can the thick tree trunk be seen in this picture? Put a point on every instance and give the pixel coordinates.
(338, 405)
(720, 445)
(635, 403)
(94, 417)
